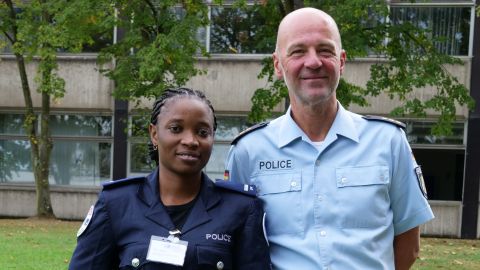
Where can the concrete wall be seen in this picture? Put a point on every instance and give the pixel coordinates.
(67, 202)
(447, 221)
(86, 89)
(73, 204)
(229, 82)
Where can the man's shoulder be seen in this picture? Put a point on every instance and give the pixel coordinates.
(386, 120)
(249, 130)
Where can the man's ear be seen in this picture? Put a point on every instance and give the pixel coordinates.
(278, 66)
(343, 59)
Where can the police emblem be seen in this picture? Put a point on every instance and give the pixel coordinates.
(421, 181)
(87, 220)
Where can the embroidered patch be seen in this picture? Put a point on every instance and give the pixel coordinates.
(264, 228)
(87, 220)
(421, 181)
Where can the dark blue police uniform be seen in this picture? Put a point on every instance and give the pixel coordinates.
(224, 229)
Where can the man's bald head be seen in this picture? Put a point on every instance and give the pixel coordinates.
(298, 18)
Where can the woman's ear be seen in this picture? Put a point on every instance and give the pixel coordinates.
(152, 129)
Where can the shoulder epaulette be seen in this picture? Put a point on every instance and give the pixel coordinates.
(248, 130)
(244, 189)
(386, 120)
(121, 182)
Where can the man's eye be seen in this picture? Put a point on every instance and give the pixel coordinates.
(296, 52)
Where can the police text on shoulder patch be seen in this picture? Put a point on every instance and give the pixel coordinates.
(421, 181)
(87, 220)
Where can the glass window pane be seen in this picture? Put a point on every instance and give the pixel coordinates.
(443, 172)
(450, 26)
(140, 162)
(11, 124)
(15, 163)
(228, 127)
(80, 125)
(234, 30)
(139, 126)
(216, 165)
(80, 163)
(419, 132)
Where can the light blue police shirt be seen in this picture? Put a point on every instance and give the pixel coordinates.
(337, 206)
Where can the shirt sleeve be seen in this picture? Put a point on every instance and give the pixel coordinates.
(96, 246)
(251, 252)
(238, 165)
(409, 204)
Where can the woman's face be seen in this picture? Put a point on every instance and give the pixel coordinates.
(184, 135)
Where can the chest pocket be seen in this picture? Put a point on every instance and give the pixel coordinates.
(135, 258)
(282, 197)
(363, 196)
(210, 257)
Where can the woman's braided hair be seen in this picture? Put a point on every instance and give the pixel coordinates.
(171, 93)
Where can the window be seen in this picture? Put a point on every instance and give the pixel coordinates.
(448, 21)
(441, 159)
(419, 132)
(81, 153)
(228, 127)
(234, 30)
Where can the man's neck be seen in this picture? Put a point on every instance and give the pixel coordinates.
(315, 120)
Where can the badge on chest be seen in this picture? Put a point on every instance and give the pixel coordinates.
(169, 250)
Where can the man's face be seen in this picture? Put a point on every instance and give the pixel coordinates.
(309, 59)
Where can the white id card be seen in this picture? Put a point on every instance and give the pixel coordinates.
(167, 250)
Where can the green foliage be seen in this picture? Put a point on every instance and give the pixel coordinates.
(157, 48)
(412, 62)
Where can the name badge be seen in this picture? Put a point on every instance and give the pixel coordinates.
(169, 250)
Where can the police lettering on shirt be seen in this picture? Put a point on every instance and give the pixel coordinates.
(264, 165)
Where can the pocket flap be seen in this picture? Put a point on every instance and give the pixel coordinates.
(362, 176)
(278, 183)
(214, 256)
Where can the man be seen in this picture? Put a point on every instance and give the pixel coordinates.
(341, 191)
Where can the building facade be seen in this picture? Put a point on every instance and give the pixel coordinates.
(93, 143)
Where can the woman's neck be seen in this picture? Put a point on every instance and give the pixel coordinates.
(178, 189)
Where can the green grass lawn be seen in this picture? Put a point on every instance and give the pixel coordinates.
(47, 245)
(36, 244)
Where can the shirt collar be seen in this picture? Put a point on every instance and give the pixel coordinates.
(342, 125)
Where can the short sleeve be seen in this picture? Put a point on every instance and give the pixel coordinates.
(409, 204)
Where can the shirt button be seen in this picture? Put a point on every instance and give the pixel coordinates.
(293, 184)
(317, 163)
(220, 265)
(323, 233)
(135, 262)
(343, 180)
(320, 197)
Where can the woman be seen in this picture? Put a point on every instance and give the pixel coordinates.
(176, 217)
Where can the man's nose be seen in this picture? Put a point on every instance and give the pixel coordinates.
(312, 59)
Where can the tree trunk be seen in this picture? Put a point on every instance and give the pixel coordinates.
(42, 170)
(40, 147)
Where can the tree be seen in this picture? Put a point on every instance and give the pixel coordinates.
(413, 60)
(156, 47)
(37, 30)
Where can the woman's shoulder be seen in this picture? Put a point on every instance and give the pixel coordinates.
(113, 184)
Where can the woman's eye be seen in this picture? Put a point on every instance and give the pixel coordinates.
(204, 132)
(175, 129)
